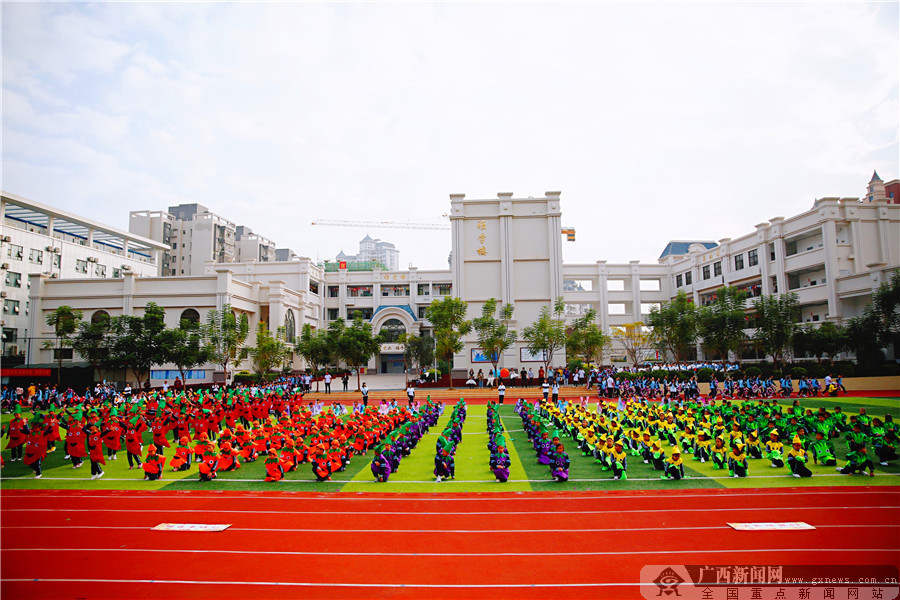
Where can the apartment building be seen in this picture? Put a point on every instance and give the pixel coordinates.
(40, 240)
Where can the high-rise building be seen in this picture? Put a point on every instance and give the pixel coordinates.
(374, 250)
(195, 236)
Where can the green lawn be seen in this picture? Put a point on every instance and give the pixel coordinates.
(472, 472)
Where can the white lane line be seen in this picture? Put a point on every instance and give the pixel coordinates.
(786, 477)
(420, 531)
(444, 554)
(447, 513)
(528, 496)
(329, 584)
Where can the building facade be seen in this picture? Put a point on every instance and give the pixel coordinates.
(833, 255)
(41, 240)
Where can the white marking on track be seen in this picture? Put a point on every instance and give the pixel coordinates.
(492, 512)
(420, 531)
(445, 554)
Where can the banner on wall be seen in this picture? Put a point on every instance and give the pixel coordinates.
(525, 355)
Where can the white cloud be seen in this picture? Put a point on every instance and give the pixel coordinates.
(656, 121)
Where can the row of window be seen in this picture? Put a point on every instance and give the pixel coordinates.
(35, 256)
(687, 277)
(366, 291)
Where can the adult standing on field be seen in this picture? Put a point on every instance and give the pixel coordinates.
(501, 391)
(365, 394)
(327, 382)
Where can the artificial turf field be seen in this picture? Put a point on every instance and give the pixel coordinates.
(66, 536)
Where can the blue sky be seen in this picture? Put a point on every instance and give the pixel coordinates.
(657, 122)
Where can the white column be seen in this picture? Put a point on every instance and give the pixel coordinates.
(636, 290)
(829, 241)
(603, 285)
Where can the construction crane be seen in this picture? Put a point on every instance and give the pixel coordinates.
(569, 232)
(381, 224)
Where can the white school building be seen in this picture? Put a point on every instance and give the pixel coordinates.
(832, 255)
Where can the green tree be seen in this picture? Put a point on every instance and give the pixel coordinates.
(585, 339)
(675, 326)
(93, 342)
(183, 347)
(722, 323)
(137, 341)
(315, 349)
(548, 334)
(776, 322)
(492, 330)
(828, 339)
(635, 339)
(270, 350)
(64, 320)
(224, 335)
(418, 352)
(357, 345)
(448, 317)
(879, 325)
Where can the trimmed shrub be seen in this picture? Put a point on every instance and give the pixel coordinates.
(798, 372)
(753, 371)
(704, 375)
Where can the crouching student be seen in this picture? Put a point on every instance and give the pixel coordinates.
(228, 458)
(858, 461)
(719, 453)
(500, 463)
(822, 451)
(754, 448)
(381, 466)
(560, 467)
(321, 465)
(274, 467)
(153, 464)
(209, 464)
(182, 459)
(702, 450)
(674, 468)
(444, 466)
(737, 461)
(773, 450)
(797, 459)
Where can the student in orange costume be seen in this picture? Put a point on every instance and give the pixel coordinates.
(182, 458)
(228, 458)
(153, 464)
(274, 467)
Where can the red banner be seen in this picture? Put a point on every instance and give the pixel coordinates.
(24, 372)
(342, 264)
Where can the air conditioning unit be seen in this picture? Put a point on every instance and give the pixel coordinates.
(4, 266)
(92, 259)
(16, 309)
(56, 250)
(48, 248)
(5, 238)
(126, 267)
(2, 294)
(54, 275)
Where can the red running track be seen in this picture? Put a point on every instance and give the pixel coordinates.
(98, 544)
